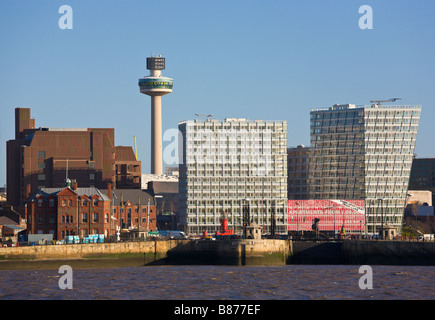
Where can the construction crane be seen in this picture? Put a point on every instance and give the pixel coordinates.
(204, 115)
(378, 102)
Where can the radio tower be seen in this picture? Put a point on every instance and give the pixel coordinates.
(156, 86)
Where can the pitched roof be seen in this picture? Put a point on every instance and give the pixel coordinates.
(7, 221)
(132, 195)
(89, 192)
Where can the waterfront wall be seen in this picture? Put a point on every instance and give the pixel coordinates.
(389, 252)
(232, 252)
(377, 252)
(158, 249)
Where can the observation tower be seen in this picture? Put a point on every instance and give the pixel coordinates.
(156, 86)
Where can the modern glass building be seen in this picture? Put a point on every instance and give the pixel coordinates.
(228, 165)
(364, 152)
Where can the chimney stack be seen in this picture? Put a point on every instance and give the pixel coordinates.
(109, 190)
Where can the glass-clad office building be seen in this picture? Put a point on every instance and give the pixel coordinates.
(364, 152)
(229, 165)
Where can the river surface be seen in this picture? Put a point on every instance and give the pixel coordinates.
(290, 282)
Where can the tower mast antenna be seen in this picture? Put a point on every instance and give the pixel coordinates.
(156, 86)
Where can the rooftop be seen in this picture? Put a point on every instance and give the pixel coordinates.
(89, 192)
(121, 196)
(372, 106)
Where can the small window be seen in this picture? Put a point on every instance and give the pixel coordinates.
(95, 202)
(84, 217)
(95, 217)
(41, 154)
(51, 203)
(41, 177)
(106, 218)
(91, 176)
(41, 165)
(40, 202)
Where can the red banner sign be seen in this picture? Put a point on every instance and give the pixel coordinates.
(332, 214)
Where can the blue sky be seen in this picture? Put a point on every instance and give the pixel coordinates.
(271, 60)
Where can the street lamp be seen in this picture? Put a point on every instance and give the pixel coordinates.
(382, 218)
(297, 218)
(416, 217)
(333, 211)
(245, 217)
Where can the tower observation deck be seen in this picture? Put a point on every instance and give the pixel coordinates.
(156, 86)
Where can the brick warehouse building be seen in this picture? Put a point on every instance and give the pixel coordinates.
(82, 211)
(41, 158)
(133, 208)
(69, 211)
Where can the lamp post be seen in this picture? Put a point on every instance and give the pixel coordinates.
(408, 195)
(245, 217)
(297, 218)
(382, 218)
(333, 212)
(148, 215)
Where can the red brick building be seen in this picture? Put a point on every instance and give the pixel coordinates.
(133, 208)
(41, 157)
(81, 211)
(69, 211)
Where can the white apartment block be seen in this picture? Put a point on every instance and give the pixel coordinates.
(231, 164)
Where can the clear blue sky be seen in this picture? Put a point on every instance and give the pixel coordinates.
(271, 60)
